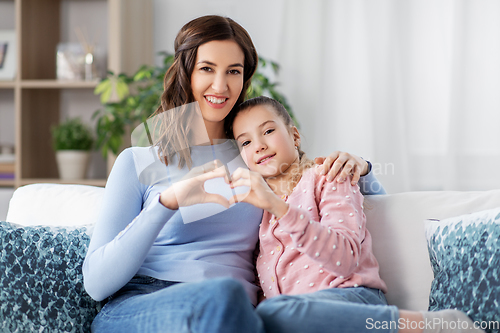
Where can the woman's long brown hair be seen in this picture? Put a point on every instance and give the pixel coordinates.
(173, 128)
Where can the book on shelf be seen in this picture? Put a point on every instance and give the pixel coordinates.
(7, 168)
(6, 176)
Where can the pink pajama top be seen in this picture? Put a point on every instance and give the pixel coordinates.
(321, 242)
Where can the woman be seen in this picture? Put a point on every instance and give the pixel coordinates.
(159, 271)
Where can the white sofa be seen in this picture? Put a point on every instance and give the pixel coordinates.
(395, 221)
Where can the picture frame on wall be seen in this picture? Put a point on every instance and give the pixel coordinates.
(8, 49)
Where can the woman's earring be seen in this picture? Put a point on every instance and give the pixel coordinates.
(297, 147)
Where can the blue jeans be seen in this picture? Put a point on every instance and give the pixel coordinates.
(342, 310)
(146, 304)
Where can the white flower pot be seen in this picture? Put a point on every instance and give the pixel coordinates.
(72, 164)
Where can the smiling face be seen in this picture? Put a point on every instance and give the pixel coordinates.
(217, 80)
(267, 144)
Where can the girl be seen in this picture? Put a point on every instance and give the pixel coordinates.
(314, 244)
(158, 272)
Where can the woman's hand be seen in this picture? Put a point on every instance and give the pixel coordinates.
(260, 194)
(344, 163)
(190, 189)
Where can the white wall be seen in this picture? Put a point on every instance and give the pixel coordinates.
(261, 18)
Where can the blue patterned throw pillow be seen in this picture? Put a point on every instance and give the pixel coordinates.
(465, 256)
(41, 282)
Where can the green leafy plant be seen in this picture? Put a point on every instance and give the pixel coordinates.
(129, 100)
(72, 134)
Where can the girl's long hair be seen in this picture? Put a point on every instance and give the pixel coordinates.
(173, 127)
(304, 162)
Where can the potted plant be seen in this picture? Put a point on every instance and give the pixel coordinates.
(72, 141)
(129, 100)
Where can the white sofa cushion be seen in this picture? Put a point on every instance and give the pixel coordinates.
(55, 205)
(396, 223)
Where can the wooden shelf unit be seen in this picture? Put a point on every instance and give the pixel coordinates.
(37, 92)
(7, 84)
(59, 84)
(93, 182)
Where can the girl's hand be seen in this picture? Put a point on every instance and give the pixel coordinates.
(190, 189)
(260, 194)
(344, 163)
